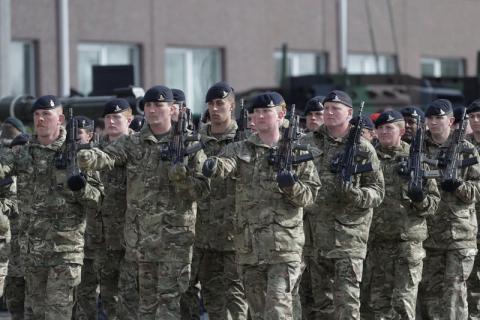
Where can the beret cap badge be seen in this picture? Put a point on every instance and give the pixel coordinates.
(52, 104)
(271, 104)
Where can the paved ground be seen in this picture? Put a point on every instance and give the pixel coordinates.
(4, 315)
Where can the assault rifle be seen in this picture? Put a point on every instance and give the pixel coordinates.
(177, 149)
(344, 164)
(283, 158)
(68, 159)
(451, 160)
(242, 122)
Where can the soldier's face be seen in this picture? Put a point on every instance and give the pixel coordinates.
(250, 123)
(474, 119)
(389, 134)
(368, 134)
(336, 114)
(47, 122)
(116, 124)
(439, 124)
(84, 136)
(220, 110)
(175, 112)
(267, 119)
(410, 127)
(158, 114)
(314, 120)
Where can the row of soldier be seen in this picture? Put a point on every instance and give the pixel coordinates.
(158, 221)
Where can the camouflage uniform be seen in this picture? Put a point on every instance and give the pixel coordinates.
(7, 207)
(268, 225)
(451, 246)
(339, 229)
(222, 288)
(160, 217)
(394, 263)
(55, 226)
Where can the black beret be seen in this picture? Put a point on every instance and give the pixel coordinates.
(389, 116)
(17, 123)
(47, 102)
(439, 107)
(458, 113)
(137, 123)
(158, 94)
(474, 106)
(413, 112)
(19, 140)
(314, 104)
(219, 90)
(367, 122)
(178, 95)
(83, 122)
(116, 105)
(340, 97)
(269, 99)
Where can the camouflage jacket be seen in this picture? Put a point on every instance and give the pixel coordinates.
(268, 221)
(398, 219)
(455, 224)
(471, 139)
(56, 215)
(339, 228)
(215, 217)
(160, 215)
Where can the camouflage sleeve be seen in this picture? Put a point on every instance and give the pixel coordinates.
(304, 191)
(90, 197)
(115, 154)
(429, 205)
(372, 184)
(196, 186)
(7, 163)
(469, 190)
(226, 161)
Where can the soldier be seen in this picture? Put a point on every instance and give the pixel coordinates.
(118, 273)
(15, 280)
(160, 216)
(269, 211)
(473, 283)
(11, 128)
(451, 245)
(314, 113)
(56, 221)
(86, 294)
(394, 262)
(340, 218)
(411, 116)
(214, 253)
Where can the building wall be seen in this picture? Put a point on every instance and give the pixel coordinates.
(249, 32)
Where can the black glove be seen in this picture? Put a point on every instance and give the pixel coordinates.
(76, 182)
(416, 195)
(450, 185)
(286, 179)
(209, 167)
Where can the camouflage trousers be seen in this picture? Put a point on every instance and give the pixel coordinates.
(473, 290)
(15, 296)
(443, 289)
(269, 289)
(392, 273)
(222, 288)
(336, 288)
(109, 273)
(161, 285)
(85, 307)
(50, 290)
(128, 295)
(305, 294)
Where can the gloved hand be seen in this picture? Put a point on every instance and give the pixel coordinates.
(209, 167)
(349, 192)
(286, 179)
(177, 172)
(76, 182)
(85, 159)
(416, 195)
(450, 185)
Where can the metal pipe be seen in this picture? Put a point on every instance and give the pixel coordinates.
(5, 43)
(64, 47)
(343, 24)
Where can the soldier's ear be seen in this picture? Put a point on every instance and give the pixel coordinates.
(402, 131)
(61, 118)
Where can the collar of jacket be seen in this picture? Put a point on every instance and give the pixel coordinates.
(323, 133)
(56, 145)
(104, 138)
(393, 152)
(147, 135)
(229, 134)
(429, 140)
(254, 139)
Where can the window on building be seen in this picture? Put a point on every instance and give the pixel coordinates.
(193, 70)
(22, 67)
(300, 63)
(90, 54)
(367, 64)
(434, 67)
